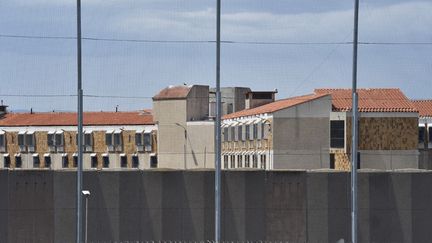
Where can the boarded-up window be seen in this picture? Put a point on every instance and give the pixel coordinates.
(337, 134)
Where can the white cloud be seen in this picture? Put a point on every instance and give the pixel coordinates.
(403, 21)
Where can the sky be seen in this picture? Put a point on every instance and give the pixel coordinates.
(138, 70)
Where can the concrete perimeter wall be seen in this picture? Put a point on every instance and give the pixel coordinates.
(290, 206)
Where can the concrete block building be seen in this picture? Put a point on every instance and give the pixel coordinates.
(314, 131)
(388, 129)
(290, 133)
(185, 130)
(112, 140)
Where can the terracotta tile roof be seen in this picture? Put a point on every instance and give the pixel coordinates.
(70, 119)
(424, 107)
(173, 92)
(274, 106)
(370, 100)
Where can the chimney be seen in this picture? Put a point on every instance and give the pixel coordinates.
(3, 108)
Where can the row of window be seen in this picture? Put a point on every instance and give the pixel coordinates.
(245, 161)
(55, 141)
(66, 163)
(246, 132)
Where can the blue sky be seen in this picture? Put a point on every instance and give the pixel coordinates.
(32, 66)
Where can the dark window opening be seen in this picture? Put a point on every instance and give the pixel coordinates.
(94, 162)
(18, 161)
(332, 161)
(422, 134)
(65, 161)
(262, 96)
(337, 134)
(135, 161)
(153, 162)
(36, 162)
(75, 161)
(430, 134)
(106, 162)
(239, 161)
(358, 160)
(47, 161)
(254, 161)
(6, 162)
(123, 161)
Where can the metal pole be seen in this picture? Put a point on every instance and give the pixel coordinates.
(218, 130)
(86, 220)
(354, 129)
(80, 128)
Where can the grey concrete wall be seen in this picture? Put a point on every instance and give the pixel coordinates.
(425, 159)
(301, 135)
(290, 206)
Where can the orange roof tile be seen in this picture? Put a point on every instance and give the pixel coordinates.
(424, 107)
(70, 119)
(274, 106)
(370, 100)
(173, 92)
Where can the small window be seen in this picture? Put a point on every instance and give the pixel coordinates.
(6, 161)
(247, 132)
(422, 134)
(94, 161)
(135, 161)
(247, 161)
(65, 161)
(240, 133)
(138, 139)
(88, 139)
(232, 134)
(21, 139)
(232, 158)
(36, 161)
(30, 139)
(123, 161)
(225, 161)
(2, 140)
(239, 161)
(51, 139)
(263, 161)
(153, 161)
(430, 134)
(332, 161)
(337, 134)
(255, 131)
(47, 161)
(75, 161)
(59, 139)
(358, 160)
(18, 161)
(148, 141)
(109, 139)
(106, 161)
(117, 139)
(255, 161)
(225, 134)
